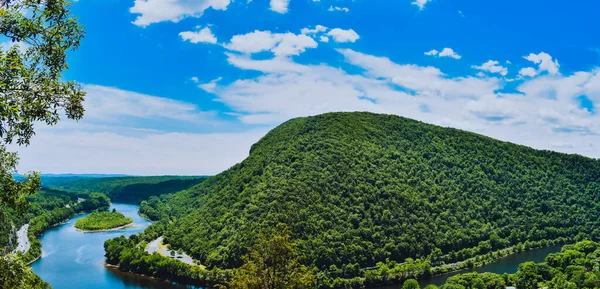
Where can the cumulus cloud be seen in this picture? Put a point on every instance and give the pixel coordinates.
(492, 66)
(155, 11)
(280, 6)
(544, 62)
(341, 35)
(280, 44)
(317, 29)
(201, 36)
(324, 38)
(446, 52)
(528, 71)
(420, 3)
(543, 109)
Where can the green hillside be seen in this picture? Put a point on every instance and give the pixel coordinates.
(130, 189)
(362, 188)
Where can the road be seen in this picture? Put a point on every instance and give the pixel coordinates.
(23, 244)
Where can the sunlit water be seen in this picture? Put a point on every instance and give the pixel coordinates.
(73, 259)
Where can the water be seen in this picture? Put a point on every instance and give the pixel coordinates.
(509, 264)
(73, 259)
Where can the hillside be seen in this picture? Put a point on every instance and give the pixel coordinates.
(129, 189)
(360, 188)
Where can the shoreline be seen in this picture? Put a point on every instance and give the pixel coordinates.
(132, 224)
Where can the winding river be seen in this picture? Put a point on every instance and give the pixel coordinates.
(73, 259)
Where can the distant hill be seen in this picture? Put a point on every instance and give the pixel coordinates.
(130, 189)
(362, 188)
(49, 180)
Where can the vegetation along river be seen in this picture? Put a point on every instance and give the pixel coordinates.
(509, 264)
(74, 259)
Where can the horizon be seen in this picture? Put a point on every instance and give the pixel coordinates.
(182, 88)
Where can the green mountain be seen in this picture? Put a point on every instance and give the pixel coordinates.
(362, 188)
(129, 189)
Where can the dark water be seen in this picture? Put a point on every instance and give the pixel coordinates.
(509, 265)
(73, 259)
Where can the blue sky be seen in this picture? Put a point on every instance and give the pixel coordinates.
(185, 87)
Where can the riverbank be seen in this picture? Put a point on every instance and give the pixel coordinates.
(158, 246)
(73, 259)
(130, 225)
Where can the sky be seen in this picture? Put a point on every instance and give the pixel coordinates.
(187, 86)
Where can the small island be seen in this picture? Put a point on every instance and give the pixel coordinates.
(103, 221)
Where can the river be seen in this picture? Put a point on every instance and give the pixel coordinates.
(74, 259)
(509, 264)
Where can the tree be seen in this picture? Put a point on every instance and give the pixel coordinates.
(411, 284)
(273, 264)
(15, 274)
(527, 276)
(40, 33)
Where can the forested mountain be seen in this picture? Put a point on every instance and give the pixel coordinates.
(130, 189)
(361, 188)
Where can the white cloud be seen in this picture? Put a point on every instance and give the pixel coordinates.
(324, 38)
(281, 44)
(528, 71)
(154, 11)
(317, 29)
(202, 36)
(544, 111)
(420, 3)
(432, 52)
(195, 79)
(446, 52)
(109, 104)
(337, 8)
(493, 67)
(280, 6)
(87, 149)
(210, 86)
(544, 62)
(341, 35)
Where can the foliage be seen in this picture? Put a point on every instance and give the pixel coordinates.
(40, 33)
(129, 256)
(46, 208)
(358, 189)
(411, 284)
(102, 220)
(129, 189)
(15, 274)
(273, 264)
(574, 267)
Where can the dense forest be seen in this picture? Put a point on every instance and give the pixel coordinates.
(574, 267)
(362, 189)
(46, 208)
(102, 220)
(128, 189)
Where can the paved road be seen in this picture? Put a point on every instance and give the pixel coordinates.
(156, 246)
(23, 244)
